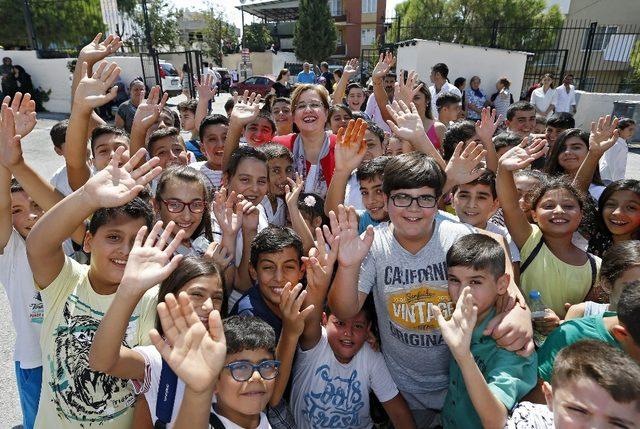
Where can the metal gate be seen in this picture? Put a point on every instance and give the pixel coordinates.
(165, 69)
(552, 61)
(368, 60)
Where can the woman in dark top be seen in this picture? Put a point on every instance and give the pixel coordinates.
(282, 87)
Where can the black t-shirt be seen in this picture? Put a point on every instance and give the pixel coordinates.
(328, 76)
(282, 90)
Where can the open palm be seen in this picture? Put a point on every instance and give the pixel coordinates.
(24, 113)
(523, 155)
(457, 331)
(10, 147)
(352, 248)
(204, 87)
(246, 109)
(99, 89)
(350, 147)
(97, 50)
(408, 124)
(603, 135)
(383, 66)
(350, 67)
(148, 111)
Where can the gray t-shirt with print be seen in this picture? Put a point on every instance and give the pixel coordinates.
(405, 287)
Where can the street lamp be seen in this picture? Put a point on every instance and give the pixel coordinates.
(242, 13)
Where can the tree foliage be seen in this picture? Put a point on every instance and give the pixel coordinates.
(257, 37)
(218, 36)
(510, 24)
(315, 36)
(163, 20)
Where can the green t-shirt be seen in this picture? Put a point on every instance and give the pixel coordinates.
(572, 331)
(508, 375)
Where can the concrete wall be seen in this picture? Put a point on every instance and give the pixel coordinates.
(592, 105)
(262, 63)
(466, 61)
(53, 74)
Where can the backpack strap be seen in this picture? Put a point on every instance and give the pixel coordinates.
(166, 395)
(531, 256)
(594, 269)
(215, 422)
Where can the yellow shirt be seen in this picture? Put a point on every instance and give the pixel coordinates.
(557, 281)
(72, 395)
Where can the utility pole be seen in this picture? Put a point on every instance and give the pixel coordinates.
(150, 48)
(29, 23)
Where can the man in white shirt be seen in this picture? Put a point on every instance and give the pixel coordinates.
(439, 73)
(566, 96)
(373, 110)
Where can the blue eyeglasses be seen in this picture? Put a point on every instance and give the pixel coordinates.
(243, 370)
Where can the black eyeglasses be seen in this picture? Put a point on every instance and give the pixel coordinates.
(243, 370)
(404, 200)
(177, 206)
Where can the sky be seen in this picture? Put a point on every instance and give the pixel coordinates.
(234, 15)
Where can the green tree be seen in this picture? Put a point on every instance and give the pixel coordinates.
(163, 20)
(217, 32)
(314, 37)
(257, 37)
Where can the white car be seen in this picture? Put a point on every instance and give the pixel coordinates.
(170, 79)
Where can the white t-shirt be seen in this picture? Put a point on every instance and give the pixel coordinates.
(352, 195)
(447, 87)
(613, 164)
(513, 249)
(542, 100)
(228, 424)
(279, 217)
(595, 191)
(27, 310)
(373, 110)
(327, 393)
(214, 177)
(565, 100)
(60, 181)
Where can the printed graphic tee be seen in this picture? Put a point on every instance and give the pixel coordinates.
(405, 288)
(330, 394)
(74, 396)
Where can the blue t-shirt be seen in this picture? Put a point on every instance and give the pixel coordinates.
(365, 221)
(306, 77)
(252, 304)
(193, 146)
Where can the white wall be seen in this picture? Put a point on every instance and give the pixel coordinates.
(592, 105)
(53, 74)
(466, 61)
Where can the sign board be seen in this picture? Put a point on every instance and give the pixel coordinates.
(246, 57)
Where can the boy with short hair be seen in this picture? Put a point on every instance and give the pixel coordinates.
(505, 141)
(168, 146)
(58, 136)
(557, 123)
(276, 259)
(541, 124)
(76, 296)
(594, 385)
(449, 106)
(213, 133)
(521, 118)
(187, 112)
(486, 381)
(280, 167)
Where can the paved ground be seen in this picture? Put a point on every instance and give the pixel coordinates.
(38, 151)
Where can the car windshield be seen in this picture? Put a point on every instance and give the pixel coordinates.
(171, 71)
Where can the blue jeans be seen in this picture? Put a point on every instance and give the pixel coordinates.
(29, 385)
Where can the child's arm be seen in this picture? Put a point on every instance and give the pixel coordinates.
(407, 125)
(110, 187)
(147, 113)
(344, 297)
(293, 322)
(7, 137)
(292, 195)
(91, 92)
(603, 136)
(205, 94)
(485, 128)
(195, 355)
(385, 63)
(516, 158)
(149, 263)
(348, 153)
(463, 165)
(457, 332)
(228, 214)
(349, 70)
(250, 220)
(319, 268)
(399, 412)
(246, 109)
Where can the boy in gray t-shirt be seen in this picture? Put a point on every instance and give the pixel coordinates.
(404, 266)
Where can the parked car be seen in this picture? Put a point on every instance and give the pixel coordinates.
(258, 84)
(224, 82)
(170, 79)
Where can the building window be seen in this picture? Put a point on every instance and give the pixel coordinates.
(367, 36)
(339, 38)
(335, 6)
(600, 38)
(369, 6)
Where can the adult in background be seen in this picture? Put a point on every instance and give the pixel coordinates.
(184, 80)
(306, 75)
(544, 97)
(502, 98)
(566, 96)
(461, 84)
(6, 69)
(282, 87)
(327, 75)
(476, 99)
(439, 78)
(127, 110)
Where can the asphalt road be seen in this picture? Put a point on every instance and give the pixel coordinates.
(39, 153)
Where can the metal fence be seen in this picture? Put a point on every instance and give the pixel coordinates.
(600, 56)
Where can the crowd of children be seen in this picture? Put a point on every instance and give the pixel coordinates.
(297, 264)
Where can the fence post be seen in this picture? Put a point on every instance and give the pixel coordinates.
(494, 34)
(593, 27)
(29, 23)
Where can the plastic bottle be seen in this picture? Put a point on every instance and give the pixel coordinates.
(538, 311)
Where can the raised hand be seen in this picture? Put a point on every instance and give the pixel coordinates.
(228, 212)
(204, 87)
(350, 68)
(353, 247)
(291, 301)
(524, 154)
(383, 66)
(10, 147)
(250, 214)
(463, 165)
(319, 267)
(405, 91)
(350, 146)
(97, 90)
(151, 260)
(603, 135)
(292, 192)
(97, 51)
(246, 109)
(219, 255)
(457, 331)
(116, 185)
(24, 113)
(148, 111)
(195, 355)
(487, 125)
(406, 123)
